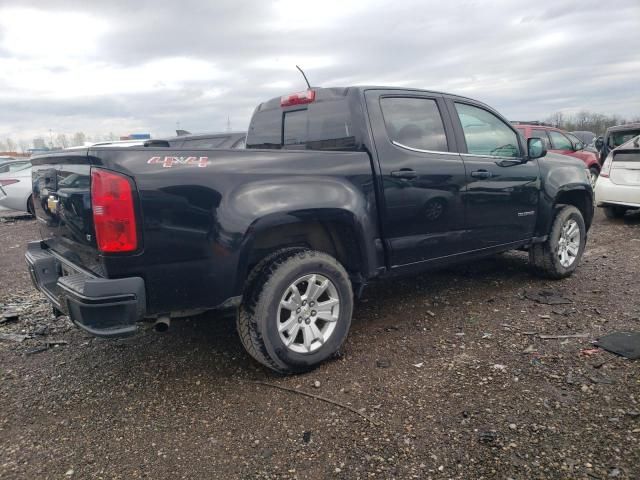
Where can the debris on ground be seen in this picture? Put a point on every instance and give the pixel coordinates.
(13, 337)
(547, 297)
(9, 316)
(383, 363)
(556, 337)
(625, 344)
(488, 436)
(587, 352)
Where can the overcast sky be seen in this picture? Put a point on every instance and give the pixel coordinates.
(141, 66)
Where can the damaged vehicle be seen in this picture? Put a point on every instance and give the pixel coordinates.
(337, 188)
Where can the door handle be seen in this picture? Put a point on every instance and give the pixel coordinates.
(404, 173)
(481, 174)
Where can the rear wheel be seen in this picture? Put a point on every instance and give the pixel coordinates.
(560, 254)
(297, 311)
(30, 209)
(614, 211)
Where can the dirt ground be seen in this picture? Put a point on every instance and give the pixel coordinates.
(446, 374)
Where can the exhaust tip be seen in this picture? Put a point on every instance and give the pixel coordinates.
(162, 324)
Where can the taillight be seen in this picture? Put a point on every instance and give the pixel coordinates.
(300, 98)
(4, 183)
(606, 166)
(113, 212)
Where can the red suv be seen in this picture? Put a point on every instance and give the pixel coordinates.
(559, 141)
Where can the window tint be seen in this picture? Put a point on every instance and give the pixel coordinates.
(618, 138)
(204, 142)
(330, 126)
(295, 129)
(536, 132)
(265, 130)
(486, 134)
(414, 122)
(559, 141)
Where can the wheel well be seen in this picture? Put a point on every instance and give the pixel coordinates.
(579, 199)
(336, 239)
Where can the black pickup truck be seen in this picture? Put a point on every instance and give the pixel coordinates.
(338, 187)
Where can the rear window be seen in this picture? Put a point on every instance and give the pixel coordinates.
(14, 167)
(204, 142)
(295, 129)
(322, 125)
(542, 134)
(414, 123)
(618, 138)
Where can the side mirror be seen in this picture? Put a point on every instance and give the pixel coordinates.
(578, 146)
(599, 143)
(535, 148)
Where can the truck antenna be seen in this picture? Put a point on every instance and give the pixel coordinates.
(305, 77)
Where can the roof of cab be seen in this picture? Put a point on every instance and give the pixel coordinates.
(327, 93)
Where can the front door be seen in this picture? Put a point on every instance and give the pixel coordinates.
(421, 175)
(502, 189)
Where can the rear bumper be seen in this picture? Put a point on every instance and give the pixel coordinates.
(101, 306)
(609, 193)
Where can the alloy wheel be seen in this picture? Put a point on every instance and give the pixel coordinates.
(308, 312)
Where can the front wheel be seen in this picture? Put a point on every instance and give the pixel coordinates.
(297, 311)
(559, 256)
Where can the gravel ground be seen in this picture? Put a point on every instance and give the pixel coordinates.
(446, 376)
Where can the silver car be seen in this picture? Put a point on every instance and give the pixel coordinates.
(15, 186)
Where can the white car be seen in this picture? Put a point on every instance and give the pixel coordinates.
(618, 186)
(15, 186)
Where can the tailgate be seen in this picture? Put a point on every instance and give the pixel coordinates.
(62, 203)
(625, 168)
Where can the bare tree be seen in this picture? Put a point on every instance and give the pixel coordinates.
(78, 139)
(62, 141)
(24, 146)
(11, 145)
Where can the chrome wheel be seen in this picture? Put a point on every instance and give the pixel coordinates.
(308, 313)
(569, 243)
(594, 177)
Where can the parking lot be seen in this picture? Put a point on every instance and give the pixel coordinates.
(444, 376)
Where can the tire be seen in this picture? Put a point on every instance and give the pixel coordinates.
(30, 209)
(614, 211)
(594, 173)
(547, 258)
(261, 313)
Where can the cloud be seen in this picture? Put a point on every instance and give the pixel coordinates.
(114, 66)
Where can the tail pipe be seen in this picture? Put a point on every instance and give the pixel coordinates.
(162, 324)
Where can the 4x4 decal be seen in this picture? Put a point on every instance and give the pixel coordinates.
(168, 162)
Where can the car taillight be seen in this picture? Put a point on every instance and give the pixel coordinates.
(606, 166)
(113, 212)
(4, 183)
(300, 98)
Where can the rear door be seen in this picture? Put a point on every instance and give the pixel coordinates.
(421, 175)
(502, 190)
(560, 143)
